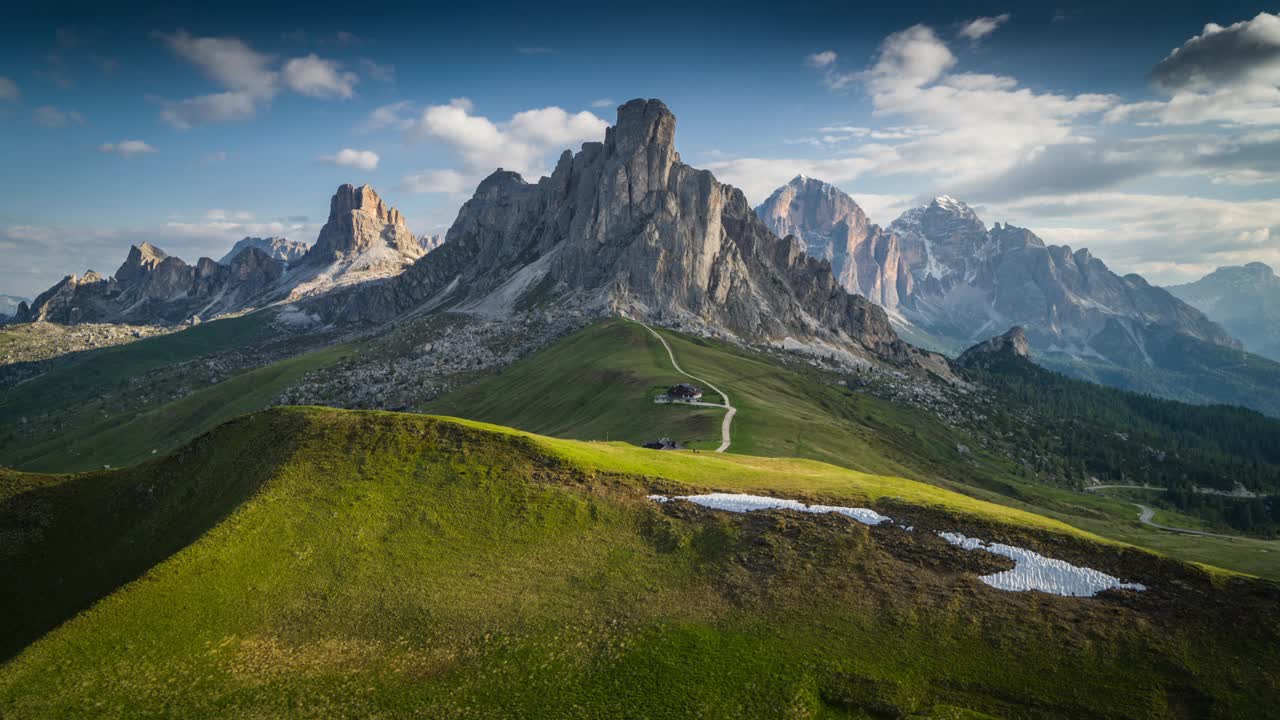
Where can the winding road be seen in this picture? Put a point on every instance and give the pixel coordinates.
(1145, 513)
(728, 416)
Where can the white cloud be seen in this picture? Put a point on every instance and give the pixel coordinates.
(956, 127)
(384, 73)
(249, 77)
(521, 143)
(1165, 238)
(218, 107)
(126, 148)
(316, 77)
(227, 61)
(396, 115)
(347, 157)
(224, 215)
(9, 90)
(603, 103)
(216, 157)
(820, 60)
(437, 181)
(979, 28)
(1226, 75)
(51, 117)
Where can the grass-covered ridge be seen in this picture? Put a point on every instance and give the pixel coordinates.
(599, 383)
(344, 564)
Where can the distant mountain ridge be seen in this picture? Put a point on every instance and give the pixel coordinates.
(1245, 299)
(949, 281)
(364, 239)
(278, 248)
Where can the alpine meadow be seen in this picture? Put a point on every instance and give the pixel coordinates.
(928, 367)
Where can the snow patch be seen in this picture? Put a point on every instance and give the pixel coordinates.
(1032, 572)
(1037, 572)
(740, 503)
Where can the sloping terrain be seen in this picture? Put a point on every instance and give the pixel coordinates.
(989, 443)
(393, 565)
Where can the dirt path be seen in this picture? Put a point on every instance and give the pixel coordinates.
(1145, 514)
(728, 416)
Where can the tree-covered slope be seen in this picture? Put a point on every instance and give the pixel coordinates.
(384, 565)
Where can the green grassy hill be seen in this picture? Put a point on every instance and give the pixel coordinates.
(599, 384)
(304, 562)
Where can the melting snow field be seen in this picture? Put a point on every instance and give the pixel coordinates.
(1033, 571)
(1037, 572)
(739, 503)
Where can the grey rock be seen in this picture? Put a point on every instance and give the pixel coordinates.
(1244, 299)
(277, 248)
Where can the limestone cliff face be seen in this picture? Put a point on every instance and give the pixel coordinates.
(627, 225)
(360, 223)
(865, 258)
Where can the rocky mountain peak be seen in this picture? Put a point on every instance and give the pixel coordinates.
(364, 199)
(644, 126)
(1012, 344)
(624, 227)
(141, 261)
(360, 221)
(279, 248)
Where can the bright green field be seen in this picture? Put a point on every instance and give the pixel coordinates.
(598, 384)
(304, 562)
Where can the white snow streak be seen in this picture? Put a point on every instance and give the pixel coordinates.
(1032, 572)
(1037, 572)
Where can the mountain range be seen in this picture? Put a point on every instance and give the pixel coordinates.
(948, 281)
(1243, 299)
(364, 239)
(624, 227)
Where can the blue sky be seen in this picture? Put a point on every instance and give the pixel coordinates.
(190, 129)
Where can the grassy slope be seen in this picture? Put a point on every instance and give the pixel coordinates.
(86, 374)
(394, 565)
(783, 413)
(132, 438)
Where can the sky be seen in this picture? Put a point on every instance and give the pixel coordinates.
(1149, 133)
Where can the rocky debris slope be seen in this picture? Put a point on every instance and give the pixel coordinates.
(27, 347)
(628, 228)
(421, 359)
(277, 248)
(151, 287)
(1245, 299)
(866, 259)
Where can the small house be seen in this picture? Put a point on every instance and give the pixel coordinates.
(684, 391)
(665, 443)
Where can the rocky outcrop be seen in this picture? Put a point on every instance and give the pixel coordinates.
(361, 225)
(430, 242)
(151, 287)
(283, 249)
(866, 259)
(1244, 299)
(1013, 344)
(627, 227)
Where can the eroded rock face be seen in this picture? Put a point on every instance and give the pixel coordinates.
(865, 258)
(152, 287)
(1012, 344)
(626, 223)
(360, 223)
